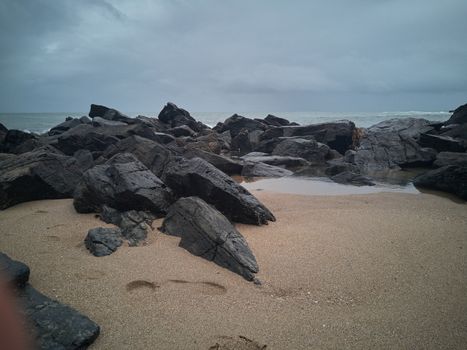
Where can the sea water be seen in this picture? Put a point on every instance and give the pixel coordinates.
(42, 122)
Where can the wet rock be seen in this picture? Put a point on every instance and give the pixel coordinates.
(109, 114)
(459, 116)
(123, 186)
(450, 178)
(196, 177)
(350, 178)
(450, 158)
(236, 123)
(287, 162)
(441, 143)
(175, 116)
(102, 241)
(224, 164)
(55, 325)
(207, 233)
(251, 169)
(314, 152)
(15, 272)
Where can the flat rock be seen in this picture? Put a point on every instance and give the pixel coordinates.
(205, 232)
(15, 272)
(288, 162)
(252, 169)
(441, 143)
(450, 178)
(102, 241)
(196, 177)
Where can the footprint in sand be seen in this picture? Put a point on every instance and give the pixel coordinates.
(141, 284)
(237, 343)
(203, 287)
(90, 274)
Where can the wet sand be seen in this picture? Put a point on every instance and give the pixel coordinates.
(383, 271)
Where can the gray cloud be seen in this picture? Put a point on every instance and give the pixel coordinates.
(210, 55)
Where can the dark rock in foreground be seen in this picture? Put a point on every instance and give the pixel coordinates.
(15, 272)
(450, 178)
(102, 241)
(56, 326)
(196, 177)
(123, 183)
(205, 232)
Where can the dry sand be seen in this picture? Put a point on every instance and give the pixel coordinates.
(377, 271)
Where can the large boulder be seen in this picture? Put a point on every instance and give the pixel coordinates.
(123, 183)
(450, 178)
(13, 139)
(205, 232)
(459, 116)
(258, 169)
(68, 124)
(196, 177)
(450, 158)
(441, 143)
(101, 241)
(315, 152)
(236, 123)
(109, 114)
(275, 121)
(175, 117)
(40, 174)
(337, 135)
(224, 164)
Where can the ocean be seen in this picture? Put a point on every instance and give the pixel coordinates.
(42, 122)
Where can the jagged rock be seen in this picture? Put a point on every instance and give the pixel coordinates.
(350, 178)
(182, 130)
(15, 273)
(236, 123)
(35, 175)
(102, 241)
(314, 152)
(152, 154)
(224, 164)
(123, 186)
(174, 116)
(275, 121)
(133, 224)
(56, 326)
(196, 177)
(459, 116)
(450, 178)
(109, 114)
(67, 125)
(207, 233)
(288, 162)
(251, 169)
(98, 121)
(450, 158)
(337, 135)
(241, 143)
(441, 143)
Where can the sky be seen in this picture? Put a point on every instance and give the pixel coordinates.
(233, 55)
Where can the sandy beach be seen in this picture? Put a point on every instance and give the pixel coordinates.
(374, 271)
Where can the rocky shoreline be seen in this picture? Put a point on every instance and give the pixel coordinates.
(133, 170)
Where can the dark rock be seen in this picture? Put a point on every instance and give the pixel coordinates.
(236, 123)
(314, 152)
(241, 143)
(3, 128)
(224, 164)
(13, 139)
(38, 175)
(275, 121)
(68, 124)
(84, 159)
(124, 186)
(251, 169)
(182, 130)
(102, 241)
(162, 138)
(450, 158)
(459, 116)
(211, 142)
(98, 121)
(441, 143)
(450, 178)
(196, 177)
(456, 131)
(207, 233)
(337, 135)
(109, 114)
(350, 178)
(174, 116)
(56, 326)
(15, 272)
(335, 167)
(288, 162)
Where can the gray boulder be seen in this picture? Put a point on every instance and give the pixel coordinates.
(236, 123)
(459, 115)
(109, 114)
(441, 143)
(102, 241)
(175, 116)
(285, 161)
(314, 152)
(350, 178)
(196, 177)
(450, 158)
(224, 164)
(450, 178)
(252, 169)
(205, 232)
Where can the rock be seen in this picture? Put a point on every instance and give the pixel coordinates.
(275, 121)
(38, 175)
(405, 127)
(163, 138)
(459, 116)
(314, 152)
(109, 114)
(67, 125)
(13, 139)
(335, 167)
(3, 128)
(133, 224)
(98, 121)
(196, 177)
(102, 241)
(14, 272)
(241, 143)
(236, 123)
(450, 158)
(450, 178)
(441, 143)
(174, 117)
(224, 164)
(211, 142)
(84, 159)
(182, 130)
(350, 178)
(123, 186)
(56, 326)
(288, 162)
(252, 169)
(205, 232)
(337, 135)
(456, 131)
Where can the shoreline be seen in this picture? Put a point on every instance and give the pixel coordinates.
(356, 271)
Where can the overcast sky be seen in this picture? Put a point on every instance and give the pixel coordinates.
(233, 56)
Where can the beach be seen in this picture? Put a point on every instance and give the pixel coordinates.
(383, 270)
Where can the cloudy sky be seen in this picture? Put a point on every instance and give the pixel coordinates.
(233, 55)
